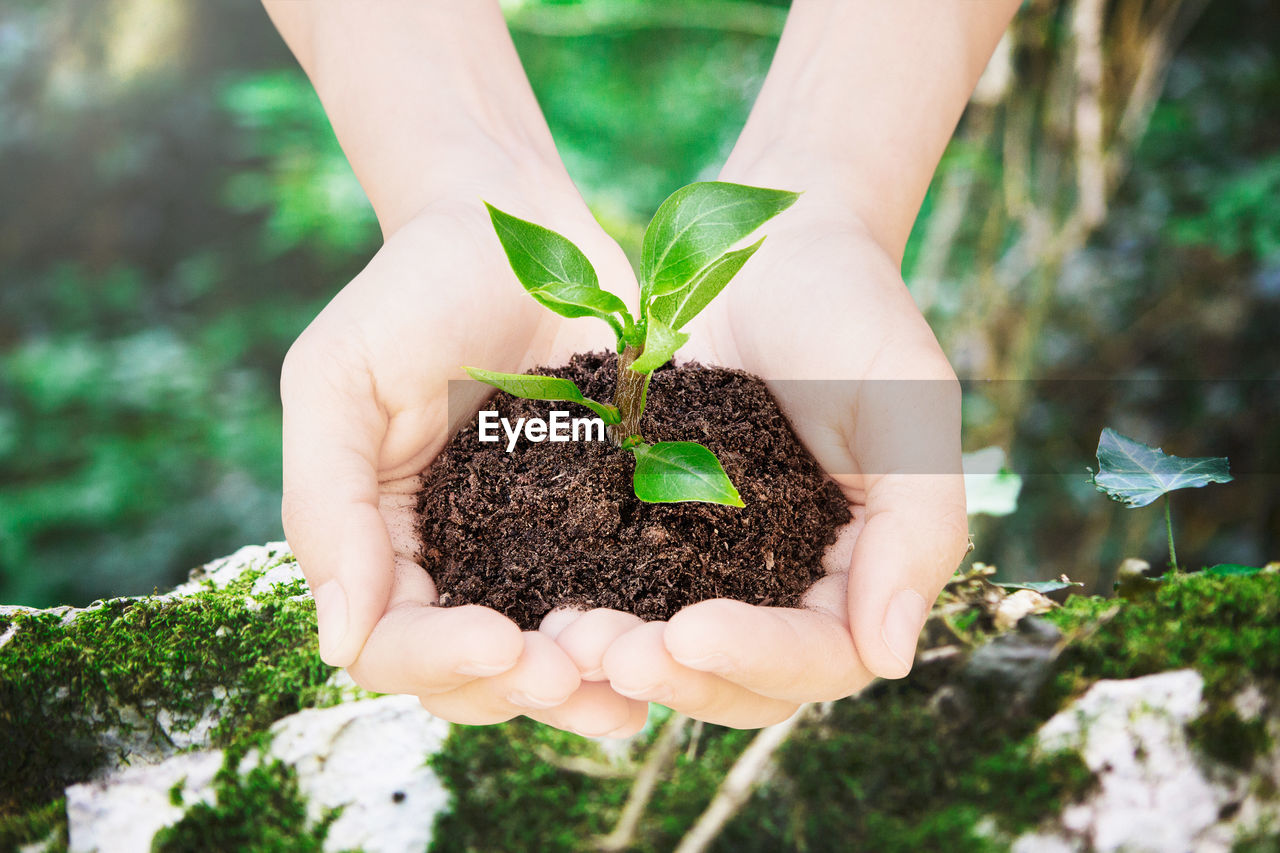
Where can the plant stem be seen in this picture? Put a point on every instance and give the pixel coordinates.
(1168, 524)
(629, 396)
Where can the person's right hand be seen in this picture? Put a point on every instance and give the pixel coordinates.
(366, 408)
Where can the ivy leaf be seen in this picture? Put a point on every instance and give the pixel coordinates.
(542, 388)
(554, 271)
(660, 343)
(676, 471)
(1135, 474)
(676, 309)
(1042, 587)
(695, 226)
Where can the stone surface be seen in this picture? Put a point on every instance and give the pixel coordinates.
(123, 812)
(1154, 793)
(368, 758)
(1153, 788)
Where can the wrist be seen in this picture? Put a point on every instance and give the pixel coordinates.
(428, 100)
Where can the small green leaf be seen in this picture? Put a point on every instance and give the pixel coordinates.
(542, 388)
(676, 471)
(1223, 570)
(554, 271)
(676, 309)
(660, 343)
(539, 256)
(1042, 587)
(696, 225)
(1135, 474)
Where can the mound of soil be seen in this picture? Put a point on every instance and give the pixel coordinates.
(553, 524)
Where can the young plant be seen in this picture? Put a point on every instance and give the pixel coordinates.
(1137, 475)
(686, 260)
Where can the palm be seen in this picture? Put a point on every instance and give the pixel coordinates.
(438, 295)
(821, 313)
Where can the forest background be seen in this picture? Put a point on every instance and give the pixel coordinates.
(1100, 247)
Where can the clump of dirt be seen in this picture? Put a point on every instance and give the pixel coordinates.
(553, 524)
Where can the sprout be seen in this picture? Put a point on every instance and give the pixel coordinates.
(686, 260)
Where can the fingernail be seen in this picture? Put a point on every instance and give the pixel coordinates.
(524, 700)
(596, 674)
(654, 693)
(622, 732)
(902, 625)
(484, 670)
(331, 615)
(710, 663)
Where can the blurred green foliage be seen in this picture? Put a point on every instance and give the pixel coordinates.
(175, 211)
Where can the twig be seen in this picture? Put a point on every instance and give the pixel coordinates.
(585, 766)
(752, 768)
(660, 756)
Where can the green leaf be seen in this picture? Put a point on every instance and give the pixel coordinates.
(574, 300)
(1223, 570)
(1042, 587)
(1131, 472)
(554, 271)
(660, 343)
(676, 471)
(695, 226)
(676, 309)
(542, 388)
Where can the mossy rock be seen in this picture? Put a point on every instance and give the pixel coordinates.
(948, 758)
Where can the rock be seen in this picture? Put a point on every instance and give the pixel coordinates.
(367, 758)
(370, 759)
(1154, 792)
(125, 811)
(1007, 672)
(1031, 739)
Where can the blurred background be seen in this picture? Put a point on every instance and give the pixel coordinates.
(1102, 239)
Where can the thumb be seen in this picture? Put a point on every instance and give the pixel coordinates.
(916, 529)
(915, 536)
(333, 431)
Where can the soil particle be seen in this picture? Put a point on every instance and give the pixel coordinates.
(553, 524)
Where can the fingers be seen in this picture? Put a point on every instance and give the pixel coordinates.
(585, 637)
(422, 649)
(638, 665)
(332, 431)
(543, 678)
(792, 655)
(596, 710)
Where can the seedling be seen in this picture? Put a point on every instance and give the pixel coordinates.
(686, 260)
(1137, 475)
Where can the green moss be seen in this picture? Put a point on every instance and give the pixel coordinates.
(261, 810)
(39, 824)
(1263, 839)
(889, 772)
(505, 797)
(60, 682)
(1226, 628)
(1220, 734)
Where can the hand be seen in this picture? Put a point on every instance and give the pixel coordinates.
(366, 408)
(822, 301)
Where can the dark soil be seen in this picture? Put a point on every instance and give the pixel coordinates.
(558, 523)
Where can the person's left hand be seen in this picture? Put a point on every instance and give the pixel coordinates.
(822, 314)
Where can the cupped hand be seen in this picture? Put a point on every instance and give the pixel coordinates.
(365, 391)
(822, 314)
